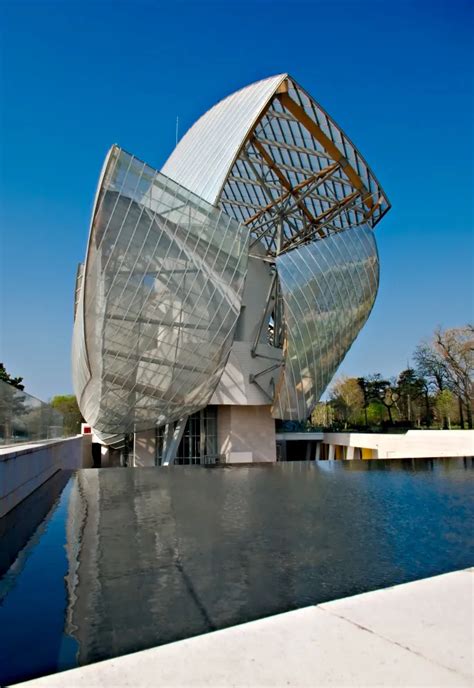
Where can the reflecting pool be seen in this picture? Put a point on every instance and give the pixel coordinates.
(120, 559)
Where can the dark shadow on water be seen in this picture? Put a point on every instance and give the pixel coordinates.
(132, 559)
(17, 527)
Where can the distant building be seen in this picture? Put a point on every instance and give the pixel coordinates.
(223, 292)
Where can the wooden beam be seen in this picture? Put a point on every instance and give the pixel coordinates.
(333, 151)
(329, 213)
(326, 172)
(284, 181)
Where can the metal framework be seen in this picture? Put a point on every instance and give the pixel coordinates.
(298, 166)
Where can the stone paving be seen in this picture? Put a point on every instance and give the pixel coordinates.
(416, 634)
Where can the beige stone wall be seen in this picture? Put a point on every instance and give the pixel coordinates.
(246, 434)
(145, 448)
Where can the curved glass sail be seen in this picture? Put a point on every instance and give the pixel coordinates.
(328, 290)
(159, 301)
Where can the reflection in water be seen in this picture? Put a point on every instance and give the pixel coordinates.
(154, 555)
(17, 527)
(33, 597)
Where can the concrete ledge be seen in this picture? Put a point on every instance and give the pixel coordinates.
(417, 634)
(299, 436)
(414, 444)
(24, 468)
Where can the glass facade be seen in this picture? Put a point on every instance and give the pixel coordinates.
(199, 442)
(328, 289)
(163, 282)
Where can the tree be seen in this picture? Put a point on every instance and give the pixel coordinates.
(446, 406)
(362, 382)
(67, 405)
(431, 367)
(14, 381)
(12, 404)
(455, 348)
(375, 413)
(382, 391)
(410, 388)
(347, 399)
(323, 415)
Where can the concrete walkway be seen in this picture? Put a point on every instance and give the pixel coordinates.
(417, 634)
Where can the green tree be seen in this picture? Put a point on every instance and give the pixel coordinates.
(445, 405)
(362, 382)
(67, 405)
(410, 388)
(14, 381)
(375, 413)
(323, 415)
(12, 404)
(347, 399)
(382, 391)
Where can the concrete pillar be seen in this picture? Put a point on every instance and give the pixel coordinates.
(145, 446)
(317, 454)
(246, 434)
(350, 453)
(331, 452)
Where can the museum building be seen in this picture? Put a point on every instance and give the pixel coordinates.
(221, 294)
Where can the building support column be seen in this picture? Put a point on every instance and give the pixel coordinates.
(246, 434)
(173, 438)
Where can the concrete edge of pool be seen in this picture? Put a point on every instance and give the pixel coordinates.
(414, 634)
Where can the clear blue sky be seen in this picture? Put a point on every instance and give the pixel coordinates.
(79, 76)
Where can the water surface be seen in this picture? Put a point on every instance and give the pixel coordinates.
(127, 559)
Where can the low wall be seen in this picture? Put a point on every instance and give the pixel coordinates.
(414, 444)
(24, 468)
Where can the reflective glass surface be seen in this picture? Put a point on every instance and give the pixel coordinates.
(199, 442)
(161, 294)
(328, 289)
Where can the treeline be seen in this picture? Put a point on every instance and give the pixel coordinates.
(437, 392)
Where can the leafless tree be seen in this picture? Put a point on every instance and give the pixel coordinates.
(455, 348)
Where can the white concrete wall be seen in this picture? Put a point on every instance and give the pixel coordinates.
(25, 467)
(412, 445)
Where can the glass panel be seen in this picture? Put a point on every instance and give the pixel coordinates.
(24, 418)
(199, 442)
(162, 293)
(328, 290)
